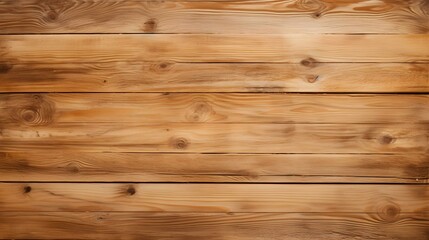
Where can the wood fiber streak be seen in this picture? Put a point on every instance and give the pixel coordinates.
(266, 16)
(213, 77)
(214, 226)
(290, 48)
(42, 109)
(217, 138)
(281, 168)
(385, 200)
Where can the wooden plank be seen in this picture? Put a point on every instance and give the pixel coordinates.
(223, 198)
(307, 49)
(213, 77)
(36, 109)
(217, 138)
(268, 16)
(214, 226)
(143, 167)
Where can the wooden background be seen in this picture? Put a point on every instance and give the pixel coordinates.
(214, 119)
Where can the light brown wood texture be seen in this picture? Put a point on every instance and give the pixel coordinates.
(197, 48)
(217, 138)
(385, 225)
(214, 119)
(223, 198)
(44, 109)
(282, 168)
(214, 77)
(262, 16)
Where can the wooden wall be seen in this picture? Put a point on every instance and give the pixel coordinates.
(214, 119)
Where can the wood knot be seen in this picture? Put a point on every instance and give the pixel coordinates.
(131, 190)
(31, 110)
(312, 78)
(27, 189)
(390, 212)
(316, 15)
(386, 139)
(5, 67)
(72, 168)
(199, 111)
(150, 25)
(179, 143)
(52, 15)
(309, 62)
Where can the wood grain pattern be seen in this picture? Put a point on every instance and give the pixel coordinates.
(298, 48)
(214, 226)
(217, 138)
(39, 109)
(266, 16)
(281, 168)
(214, 197)
(213, 77)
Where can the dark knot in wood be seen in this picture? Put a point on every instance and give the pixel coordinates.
(131, 190)
(387, 139)
(309, 62)
(27, 189)
(150, 25)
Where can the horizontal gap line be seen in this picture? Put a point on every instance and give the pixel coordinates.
(213, 183)
(202, 212)
(212, 33)
(219, 153)
(243, 93)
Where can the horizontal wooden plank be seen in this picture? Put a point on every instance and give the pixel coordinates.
(40, 109)
(303, 48)
(386, 225)
(163, 197)
(217, 138)
(268, 16)
(213, 77)
(143, 167)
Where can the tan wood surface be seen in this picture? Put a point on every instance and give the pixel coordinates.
(289, 48)
(280, 168)
(214, 119)
(214, 197)
(214, 16)
(385, 225)
(214, 77)
(217, 138)
(43, 109)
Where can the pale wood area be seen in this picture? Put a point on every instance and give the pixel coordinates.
(190, 16)
(217, 138)
(385, 225)
(223, 198)
(281, 168)
(196, 48)
(214, 77)
(44, 109)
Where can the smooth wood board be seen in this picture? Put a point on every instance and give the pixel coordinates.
(197, 48)
(45, 109)
(214, 226)
(217, 138)
(60, 166)
(223, 198)
(214, 77)
(262, 16)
